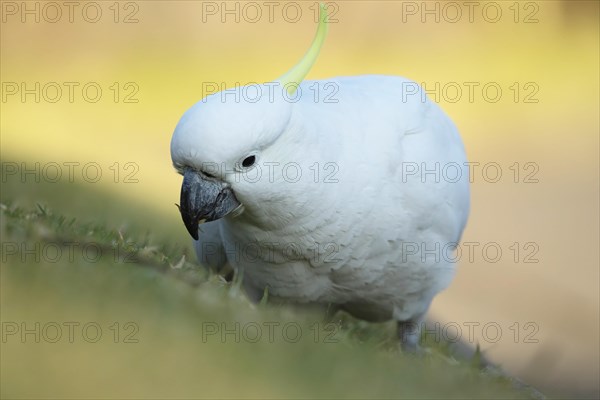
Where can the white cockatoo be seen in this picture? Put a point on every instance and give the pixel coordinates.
(348, 192)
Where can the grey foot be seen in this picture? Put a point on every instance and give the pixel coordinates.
(409, 333)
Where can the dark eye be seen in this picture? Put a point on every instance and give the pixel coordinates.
(248, 161)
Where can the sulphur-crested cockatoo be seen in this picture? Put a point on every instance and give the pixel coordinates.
(348, 192)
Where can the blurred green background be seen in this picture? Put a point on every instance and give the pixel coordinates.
(543, 55)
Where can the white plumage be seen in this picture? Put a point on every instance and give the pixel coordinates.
(333, 211)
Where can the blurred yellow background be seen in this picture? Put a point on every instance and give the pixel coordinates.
(543, 55)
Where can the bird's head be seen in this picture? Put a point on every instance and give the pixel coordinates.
(226, 134)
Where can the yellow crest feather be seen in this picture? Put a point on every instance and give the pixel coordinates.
(292, 79)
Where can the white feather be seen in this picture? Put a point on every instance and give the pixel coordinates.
(351, 234)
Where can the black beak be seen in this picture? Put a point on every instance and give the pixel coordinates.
(204, 198)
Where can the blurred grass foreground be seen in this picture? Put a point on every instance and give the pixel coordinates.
(91, 311)
(100, 293)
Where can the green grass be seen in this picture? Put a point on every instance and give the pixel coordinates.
(145, 279)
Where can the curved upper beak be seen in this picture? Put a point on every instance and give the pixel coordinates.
(204, 199)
